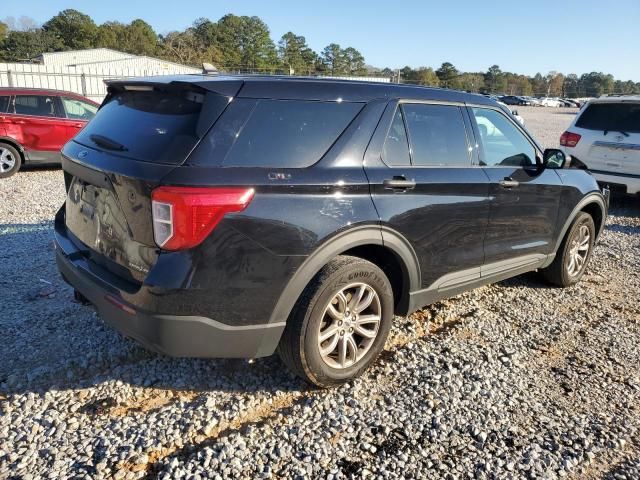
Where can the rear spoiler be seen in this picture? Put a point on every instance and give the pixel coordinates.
(220, 85)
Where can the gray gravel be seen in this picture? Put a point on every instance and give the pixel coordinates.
(513, 380)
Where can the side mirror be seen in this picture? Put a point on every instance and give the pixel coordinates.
(554, 158)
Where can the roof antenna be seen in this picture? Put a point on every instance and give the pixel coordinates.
(209, 69)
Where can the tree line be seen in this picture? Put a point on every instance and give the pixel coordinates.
(243, 44)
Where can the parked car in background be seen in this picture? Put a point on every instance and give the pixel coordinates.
(550, 102)
(35, 124)
(512, 112)
(534, 102)
(514, 100)
(214, 216)
(605, 137)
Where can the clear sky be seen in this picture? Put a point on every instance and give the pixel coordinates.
(571, 36)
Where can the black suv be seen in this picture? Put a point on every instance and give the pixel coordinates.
(233, 216)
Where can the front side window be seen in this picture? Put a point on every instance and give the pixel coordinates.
(437, 135)
(36, 105)
(503, 145)
(396, 145)
(78, 110)
(4, 103)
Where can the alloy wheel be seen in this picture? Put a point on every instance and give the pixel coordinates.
(578, 251)
(7, 160)
(349, 325)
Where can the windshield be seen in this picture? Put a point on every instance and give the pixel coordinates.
(610, 117)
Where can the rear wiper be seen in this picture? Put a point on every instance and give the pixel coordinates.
(623, 133)
(106, 142)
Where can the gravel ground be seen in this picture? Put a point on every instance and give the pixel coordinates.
(513, 380)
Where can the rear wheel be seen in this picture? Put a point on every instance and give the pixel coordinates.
(340, 323)
(574, 253)
(10, 160)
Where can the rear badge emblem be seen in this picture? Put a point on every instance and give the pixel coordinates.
(82, 154)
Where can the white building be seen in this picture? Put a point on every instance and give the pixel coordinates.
(107, 59)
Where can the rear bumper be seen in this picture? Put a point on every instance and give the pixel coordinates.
(630, 181)
(173, 335)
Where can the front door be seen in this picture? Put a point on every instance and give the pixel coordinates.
(425, 187)
(524, 197)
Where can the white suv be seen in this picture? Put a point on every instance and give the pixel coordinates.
(605, 137)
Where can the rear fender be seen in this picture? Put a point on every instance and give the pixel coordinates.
(338, 244)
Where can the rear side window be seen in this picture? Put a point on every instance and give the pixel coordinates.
(289, 133)
(158, 126)
(619, 117)
(78, 110)
(437, 135)
(4, 103)
(35, 105)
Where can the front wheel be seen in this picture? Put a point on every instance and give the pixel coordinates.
(340, 323)
(573, 255)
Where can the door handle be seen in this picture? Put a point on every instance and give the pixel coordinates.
(509, 182)
(398, 183)
(78, 125)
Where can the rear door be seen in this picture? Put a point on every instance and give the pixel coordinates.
(425, 186)
(33, 121)
(524, 197)
(612, 131)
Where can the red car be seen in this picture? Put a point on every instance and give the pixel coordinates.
(36, 123)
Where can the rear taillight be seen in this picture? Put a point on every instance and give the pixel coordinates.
(569, 139)
(183, 216)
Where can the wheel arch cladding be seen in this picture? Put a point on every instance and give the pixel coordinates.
(393, 255)
(11, 142)
(594, 205)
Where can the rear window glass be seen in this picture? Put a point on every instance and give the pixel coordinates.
(619, 117)
(154, 126)
(4, 103)
(289, 133)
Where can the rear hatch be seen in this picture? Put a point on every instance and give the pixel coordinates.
(614, 128)
(143, 130)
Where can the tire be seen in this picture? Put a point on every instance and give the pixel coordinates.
(313, 315)
(560, 272)
(10, 160)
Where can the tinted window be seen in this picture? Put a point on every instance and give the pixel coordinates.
(289, 133)
(78, 110)
(154, 126)
(437, 135)
(502, 143)
(396, 146)
(37, 105)
(4, 103)
(619, 117)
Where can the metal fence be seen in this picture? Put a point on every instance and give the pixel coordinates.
(87, 81)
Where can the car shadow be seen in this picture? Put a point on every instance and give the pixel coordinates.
(51, 342)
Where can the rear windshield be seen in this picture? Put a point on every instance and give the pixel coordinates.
(619, 117)
(153, 126)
